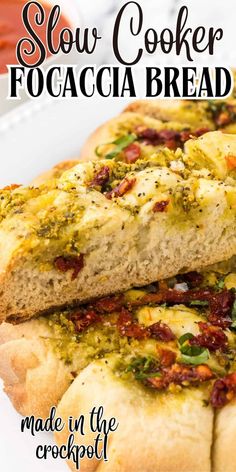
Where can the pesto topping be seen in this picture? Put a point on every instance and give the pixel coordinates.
(144, 342)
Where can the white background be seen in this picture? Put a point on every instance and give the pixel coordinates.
(36, 136)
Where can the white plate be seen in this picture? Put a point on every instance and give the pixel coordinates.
(37, 135)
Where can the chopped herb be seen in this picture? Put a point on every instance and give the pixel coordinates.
(220, 284)
(120, 143)
(198, 303)
(201, 358)
(144, 367)
(185, 338)
(192, 354)
(233, 314)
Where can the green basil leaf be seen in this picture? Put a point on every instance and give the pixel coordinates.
(234, 311)
(185, 337)
(233, 314)
(192, 354)
(143, 375)
(199, 303)
(220, 284)
(196, 360)
(121, 144)
(191, 350)
(144, 367)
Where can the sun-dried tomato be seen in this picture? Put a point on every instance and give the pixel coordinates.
(75, 263)
(161, 331)
(156, 382)
(149, 135)
(166, 296)
(193, 279)
(109, 304)
(180, 374)
(223, 119)
(167, 357)
(127, 326)
(220, 303)
(132, 153)
(224, 390)
(83, 320)
(121, 189)
(231, 161)
(161, 207)
(169, 138)
(199, 132)
(211, 337)
(101, 178)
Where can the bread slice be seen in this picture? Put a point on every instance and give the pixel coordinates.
(211, 114)
(84, 236)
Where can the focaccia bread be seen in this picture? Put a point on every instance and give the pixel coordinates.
(106, 226)
(212, 114)
(156, 358)
(157, 427)
(130, 136)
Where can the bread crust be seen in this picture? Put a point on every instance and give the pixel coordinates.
(153, 434)
(55, 172)
(34, 377)
(100, 136)
(224, 453)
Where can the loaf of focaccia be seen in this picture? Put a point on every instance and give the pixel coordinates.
(160, 359)
(106, 226)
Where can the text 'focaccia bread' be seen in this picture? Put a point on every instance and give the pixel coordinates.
(106, 226)
(161, 359)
